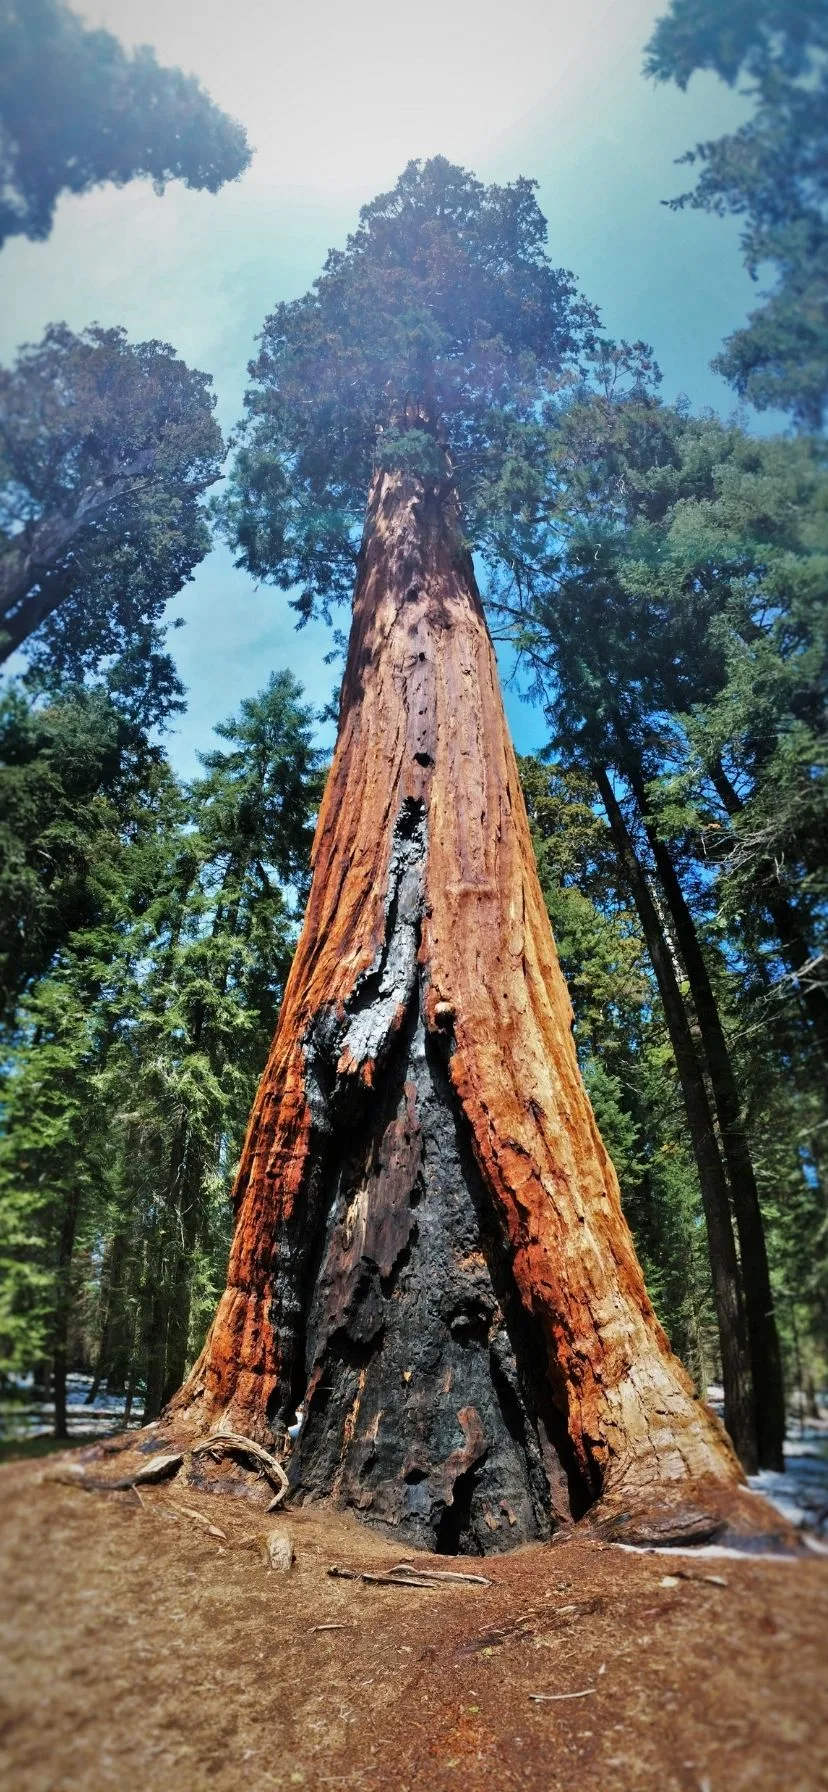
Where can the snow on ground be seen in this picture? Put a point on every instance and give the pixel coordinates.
(801, 1493)
(22, 1419)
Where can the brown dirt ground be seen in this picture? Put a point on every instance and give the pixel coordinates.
(141, 1651)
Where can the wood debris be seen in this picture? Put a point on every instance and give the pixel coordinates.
(408, 1574)
(199, 1517)
(550, 1697)
(450, 1574)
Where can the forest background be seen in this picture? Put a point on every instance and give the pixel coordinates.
(668, 641)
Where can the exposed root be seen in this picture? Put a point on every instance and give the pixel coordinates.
(224, 1443)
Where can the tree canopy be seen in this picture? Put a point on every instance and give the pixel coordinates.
(441, 327)
(771, 172)
(77, 110)
(106, 448)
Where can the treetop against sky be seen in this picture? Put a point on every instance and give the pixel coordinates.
(547, 93)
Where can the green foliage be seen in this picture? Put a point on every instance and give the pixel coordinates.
(76, 110)
(51, 1156)
(131, 1070)
(683, 612)
(78, 789)
(772, 172)
(106, 448)
(441, 328)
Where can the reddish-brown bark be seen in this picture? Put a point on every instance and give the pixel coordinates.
(423, 755)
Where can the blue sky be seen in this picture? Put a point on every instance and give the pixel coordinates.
(336, 99)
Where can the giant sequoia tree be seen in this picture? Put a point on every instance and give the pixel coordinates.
(430, 1260)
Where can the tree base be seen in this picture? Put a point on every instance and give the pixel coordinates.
(685, 1517)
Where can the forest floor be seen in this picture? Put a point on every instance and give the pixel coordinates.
(140, 1649)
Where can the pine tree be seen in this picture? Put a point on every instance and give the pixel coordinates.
(131, 1062)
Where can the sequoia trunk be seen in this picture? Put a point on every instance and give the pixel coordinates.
(430, 1260)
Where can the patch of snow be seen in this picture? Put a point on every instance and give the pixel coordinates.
(801, 1493)
(21, 1420)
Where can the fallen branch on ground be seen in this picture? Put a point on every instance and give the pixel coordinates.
(478, 1580)
(190, 1512)
(159, 1468)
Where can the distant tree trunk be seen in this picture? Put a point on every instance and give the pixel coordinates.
(155, 1312)
(178, 1328)
(430, 1252)
(111, 1281)
(740, 1406)
(121, 1343)
(63, 1301)
(763, 1338)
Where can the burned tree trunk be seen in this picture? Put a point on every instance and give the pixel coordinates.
(430, 1259)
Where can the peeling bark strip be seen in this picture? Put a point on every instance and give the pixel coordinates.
(429, 1247)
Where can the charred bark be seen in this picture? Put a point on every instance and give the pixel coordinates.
(430, 1255)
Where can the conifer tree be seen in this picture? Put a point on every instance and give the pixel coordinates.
(684, 549)
(770, 173)
(105, 451)
(132, 1059)
(76, 110)
(430, 1260)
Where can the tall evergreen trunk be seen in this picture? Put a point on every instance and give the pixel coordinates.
(111, 1286)
(430, 1252)
(120, 1347)
(763, 1338)
(155, 1312)
(178, 1326)
(63, 1306)
(740, 1403)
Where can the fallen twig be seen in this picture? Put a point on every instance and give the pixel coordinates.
(190, 1512)
(478, 1580)
(407, 1574)
(381, 1580)
(331, 1627)
(232, 1442)
(549, 1697)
